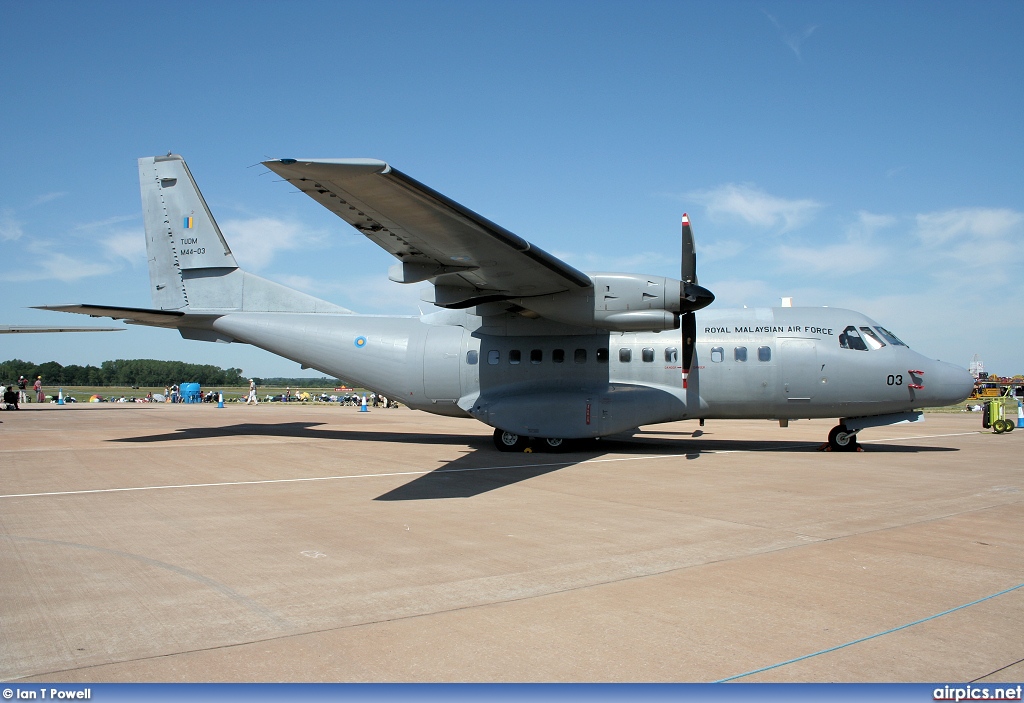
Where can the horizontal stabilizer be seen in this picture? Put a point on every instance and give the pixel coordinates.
(29, 329)
(139, 316)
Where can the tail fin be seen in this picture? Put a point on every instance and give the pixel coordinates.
(191, 266)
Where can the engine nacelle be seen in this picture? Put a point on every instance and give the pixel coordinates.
(619, 302)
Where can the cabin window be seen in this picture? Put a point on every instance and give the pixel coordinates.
(672, 355)
(740, 354)
(602, 355)
(647, 354)
(580, 356)
(558, 356)
(872, 338)
(764, 353)
(536, 356)
(625, 355)
(472, 357)
(514, 356)
(890, 337)
(493, 357)
(717, 354)
(850, 339)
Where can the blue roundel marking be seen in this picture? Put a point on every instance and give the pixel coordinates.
(360, 342)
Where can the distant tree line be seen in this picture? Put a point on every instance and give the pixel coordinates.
(122, 372)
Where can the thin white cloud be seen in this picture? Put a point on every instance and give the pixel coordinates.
(843, 259)
(128, 245)
(44, 264)
(99, 224)
(972, 242)
(737, 292)
(362, 293)
(639, 261)
(720, 250)
(968, 224)
(10, 228)
(868, 223)
(45, 198)
(755, 207)
(256, 241)
(794, 40)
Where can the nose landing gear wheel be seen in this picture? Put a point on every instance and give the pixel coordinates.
(840, 439)
(509, 441)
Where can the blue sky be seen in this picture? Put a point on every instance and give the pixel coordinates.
(860, 155)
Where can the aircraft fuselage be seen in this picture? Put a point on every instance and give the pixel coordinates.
(771, 363)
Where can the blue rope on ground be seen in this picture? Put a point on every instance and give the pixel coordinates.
(871, 637)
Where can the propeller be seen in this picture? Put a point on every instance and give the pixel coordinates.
(692, 297)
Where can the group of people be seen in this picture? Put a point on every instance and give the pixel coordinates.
(14, 398)
(347, 399)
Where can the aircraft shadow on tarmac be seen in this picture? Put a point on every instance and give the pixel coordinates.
(483, 469)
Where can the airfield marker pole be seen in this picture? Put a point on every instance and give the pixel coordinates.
(1020, 414)
(220, 399)
(362, 406)
(60, 396)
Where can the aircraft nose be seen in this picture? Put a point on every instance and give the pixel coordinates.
(949, 384)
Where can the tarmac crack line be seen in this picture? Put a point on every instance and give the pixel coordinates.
(1002, 668)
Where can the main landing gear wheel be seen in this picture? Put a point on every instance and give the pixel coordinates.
(509, 441)
(553, 444)
(840, 439)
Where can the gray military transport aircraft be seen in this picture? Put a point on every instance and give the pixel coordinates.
(524, 342)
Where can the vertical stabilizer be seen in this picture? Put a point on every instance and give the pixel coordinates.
(181, 234)
(190, 264)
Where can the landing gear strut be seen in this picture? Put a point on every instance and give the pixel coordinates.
(841, 439)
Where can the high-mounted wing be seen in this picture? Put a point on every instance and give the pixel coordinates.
(468, 258)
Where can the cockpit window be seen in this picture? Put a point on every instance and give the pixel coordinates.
(890, 337)
(850, 339)
(871, 338)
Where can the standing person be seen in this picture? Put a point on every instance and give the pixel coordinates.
(288, 394)
(252, 394)
(167, 394)
(38, 388)
(22, 390)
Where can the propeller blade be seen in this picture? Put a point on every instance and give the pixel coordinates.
(692, 297)
(688, 270)
(689, 325)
